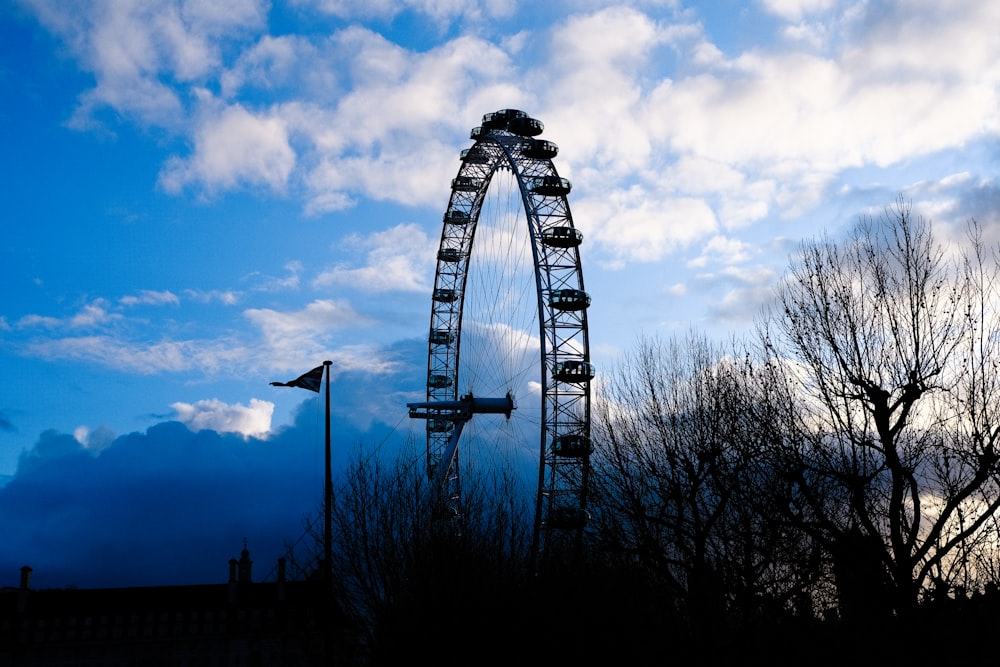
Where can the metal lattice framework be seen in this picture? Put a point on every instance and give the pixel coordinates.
(489, 236)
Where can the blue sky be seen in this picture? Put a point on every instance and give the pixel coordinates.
(203, 196)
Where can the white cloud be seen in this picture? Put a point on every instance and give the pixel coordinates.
(212, 414)
(394, 136)
(793, 10)
(642, 226)
(418, 177)
(775, 113)
(783, 124)
(271, 64)
(400, 259)
(150, 297)
(594, 82)
(221, 17)
(328, 202)
(951, 43)
(234, 148)
(137, 49)
(723, 250)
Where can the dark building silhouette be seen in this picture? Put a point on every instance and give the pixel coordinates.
(240, 622)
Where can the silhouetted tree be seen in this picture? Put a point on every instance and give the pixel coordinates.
(890, 343)
(411, 579)
(681, 489)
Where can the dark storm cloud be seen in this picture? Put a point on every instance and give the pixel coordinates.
(172, 506)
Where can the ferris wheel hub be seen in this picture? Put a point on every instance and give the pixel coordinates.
(463, 408)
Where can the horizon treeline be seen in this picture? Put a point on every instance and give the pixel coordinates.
(839, 464)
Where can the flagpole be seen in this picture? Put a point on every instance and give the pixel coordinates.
(328, 495)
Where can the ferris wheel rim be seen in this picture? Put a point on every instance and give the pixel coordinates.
(506, 141)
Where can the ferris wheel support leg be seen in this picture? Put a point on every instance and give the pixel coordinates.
(445, 464)
(461, 412)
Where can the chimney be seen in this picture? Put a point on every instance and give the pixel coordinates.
(25, 578)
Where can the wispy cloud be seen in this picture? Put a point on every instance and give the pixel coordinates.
(146, 358)
(294, 339)
(151, 298)
(91, 315)
(442, 12)
(225, 297)
(320, 315)
(400, 258)
(289, 281)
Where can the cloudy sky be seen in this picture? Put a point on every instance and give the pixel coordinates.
(201, 196)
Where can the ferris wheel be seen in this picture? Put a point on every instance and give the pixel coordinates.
(508, 329)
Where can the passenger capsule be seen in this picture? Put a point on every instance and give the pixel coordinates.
(465, 184)
(526, 127)
(442, 337)
(471, 156)
(551, 186)
(569, 299)
(572, 446)
(438, 381)
(562, 237)
(455, 217)
(573, 371)
(500, 120)
(539, 149)
(450, 255)
(444, 295)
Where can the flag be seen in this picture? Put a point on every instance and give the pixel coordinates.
(311, 380)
